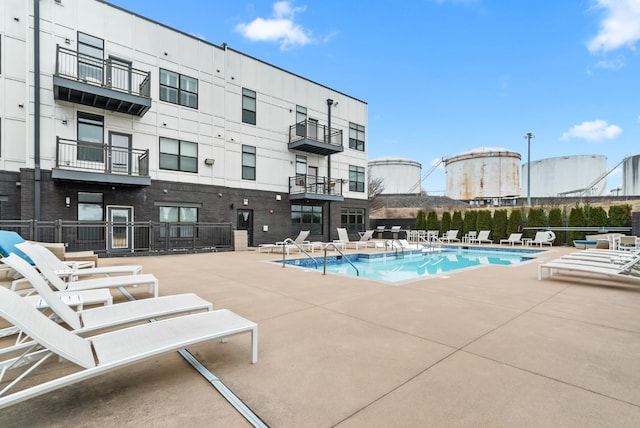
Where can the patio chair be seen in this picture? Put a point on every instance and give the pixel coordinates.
(71, 271)
(285, 246)
(543, 238)
(405, 245)
(451, 236)
(483, 237)
(343, 239)
(628, 243)
(87, 284)
(105, 352)
(514, 238)
(93, 319)
(628, 271)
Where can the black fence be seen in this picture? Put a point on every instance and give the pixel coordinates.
(122, 238)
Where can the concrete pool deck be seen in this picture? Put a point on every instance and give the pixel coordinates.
(487, 346)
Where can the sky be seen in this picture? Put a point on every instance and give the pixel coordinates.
(444, 76)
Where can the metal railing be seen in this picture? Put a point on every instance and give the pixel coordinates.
(312, 130)
(101, 157)
(290, 241)
(324, 270)
(117, 238)
(315, 185)
(107, 73)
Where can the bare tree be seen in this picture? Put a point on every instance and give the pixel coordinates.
(375, 186)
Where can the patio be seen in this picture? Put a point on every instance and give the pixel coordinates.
(487, 346)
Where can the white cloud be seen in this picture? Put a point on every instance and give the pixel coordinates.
(280, 28)
(613, 64)
(620, 27)
(593, 131)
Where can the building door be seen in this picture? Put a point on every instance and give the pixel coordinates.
(245, 222)
(119, 73)
(120, 149)
(119, 229)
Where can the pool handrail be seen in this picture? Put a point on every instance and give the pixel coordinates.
(324, 271)
(291, 241)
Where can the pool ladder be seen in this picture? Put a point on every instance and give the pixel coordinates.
(324, 271)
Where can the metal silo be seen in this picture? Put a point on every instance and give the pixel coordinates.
(399, 175)
(483, 173)
(631, 176)
(566, 176)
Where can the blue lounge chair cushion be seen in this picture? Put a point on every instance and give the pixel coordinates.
(8, 241)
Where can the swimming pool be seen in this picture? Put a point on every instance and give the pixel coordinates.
(393, 268)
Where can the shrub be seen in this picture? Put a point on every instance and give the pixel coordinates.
(432, 221)
(597, 217)
(576, 219)
(499, 229)
(620, 215)
(536, 218)
(421, 220)
(556, 220)
(456, 221)
(484, 220)
(445, 224)
(515, 221)
(470, 220)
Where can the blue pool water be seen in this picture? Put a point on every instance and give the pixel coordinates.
(414, 265)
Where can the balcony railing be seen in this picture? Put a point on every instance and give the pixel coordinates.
(106, 83)
(313, 187)
(312, 137)
(87, 159)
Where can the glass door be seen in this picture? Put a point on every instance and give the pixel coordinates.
(245, 222)
(120, 228)
(120, 148)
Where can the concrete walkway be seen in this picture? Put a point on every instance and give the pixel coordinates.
(488, 346)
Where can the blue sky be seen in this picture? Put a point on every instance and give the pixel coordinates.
(444, 76)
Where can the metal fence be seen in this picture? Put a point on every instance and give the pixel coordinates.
(121, 238)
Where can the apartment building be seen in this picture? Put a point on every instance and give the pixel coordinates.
(109, 116)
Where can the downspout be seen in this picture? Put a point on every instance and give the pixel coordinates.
(329, 104)
(36, 109)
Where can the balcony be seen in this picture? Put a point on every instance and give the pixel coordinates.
(311, 137)
(108, 84)
(316, 188)
(98, 163)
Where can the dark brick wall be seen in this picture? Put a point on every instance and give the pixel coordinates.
(217, 204)
(9, 190)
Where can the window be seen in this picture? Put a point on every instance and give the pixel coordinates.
(356, 178)
(90, 58)
(178, 214)
(352, 219)
(306, 217)
(178, 155)
(248, 106)
(301, 116)
(91, 209)
(90, 137)
(356, 136)
(248, 163)
(178, 89)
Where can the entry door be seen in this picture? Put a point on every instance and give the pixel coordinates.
(120, 148)
(119, 74)
(120, 236)
(245, 222)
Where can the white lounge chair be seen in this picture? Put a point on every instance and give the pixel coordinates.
(405, 245)
(343, 239)
(104, 352)
(627, 271)
(543, 238)
(451, 236)
(514, 238)
(300, 240)
(107, 316)
(88, 284)
(483, 237)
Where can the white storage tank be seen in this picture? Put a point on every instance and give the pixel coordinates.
(483, 173)
(566, 176)
(631, 176)
(399, 175)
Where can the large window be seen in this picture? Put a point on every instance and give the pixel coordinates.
(178, 155)
(248, 106)
(248, 163)
(306, 217)
(356, 136)
(90, 58)
(178, 89)
(174, 215)
(90, 137)
(356, 178)
(91, 209)
(353, 219)
(301, 117)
